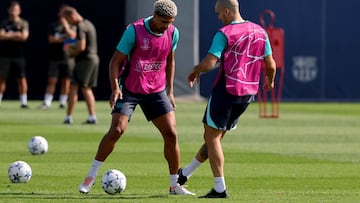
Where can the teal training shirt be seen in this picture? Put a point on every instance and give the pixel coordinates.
(127, 41)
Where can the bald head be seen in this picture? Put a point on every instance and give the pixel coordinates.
(228, 11)
(232, 5)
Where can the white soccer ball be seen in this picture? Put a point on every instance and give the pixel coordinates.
(113, 182)
(19, 172)
(38, 145)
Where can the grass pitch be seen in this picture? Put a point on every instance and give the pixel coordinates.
(310, 154)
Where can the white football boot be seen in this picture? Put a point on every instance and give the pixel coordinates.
(179, 190)
(85, 186)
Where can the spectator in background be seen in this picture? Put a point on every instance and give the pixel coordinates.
(61, 64)
(14, 32)
(86, 69)
(242, 47)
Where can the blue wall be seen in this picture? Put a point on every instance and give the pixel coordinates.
(321, 45)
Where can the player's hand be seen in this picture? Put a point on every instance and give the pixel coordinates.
(193, 77)
(172, 100)
(64, 22)
(268, 85)
(116, 94)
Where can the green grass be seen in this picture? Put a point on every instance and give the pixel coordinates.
(310, 154)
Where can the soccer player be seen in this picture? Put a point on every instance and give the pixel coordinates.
(61, 65)
(241, 47)
(85, 74)
(148, 45)
(14, 32)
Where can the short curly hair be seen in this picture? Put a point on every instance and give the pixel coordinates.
(165, 8)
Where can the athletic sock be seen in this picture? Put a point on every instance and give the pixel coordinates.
(189, 169)
(23, 99)
(63, 99)
(219, 184)
(92, 118)
(173, 179)
(1, 97)
(95, 168)
(48, 99)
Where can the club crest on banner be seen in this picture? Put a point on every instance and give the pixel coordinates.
(304, 68)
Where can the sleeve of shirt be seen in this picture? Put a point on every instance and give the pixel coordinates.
(25, 26)
(175, 39)
(218, 44)
(268, 50)
(81, 35)
(127, 41)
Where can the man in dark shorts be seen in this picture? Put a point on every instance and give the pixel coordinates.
(61, 65)
(14, 32)
(149, 46)
(241, 47)
(86, 69)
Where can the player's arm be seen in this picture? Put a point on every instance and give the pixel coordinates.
(2, 34)
(205, 65)
(22, 35)
(116, 62)
(217, 47)
(270, 66)
(69, 30)
(270, 71)
(170, 74)
(80, 45)
(170, 68)
(54, 38)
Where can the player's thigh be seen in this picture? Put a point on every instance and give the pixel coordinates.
(156, 105)
(217, 113)
(69, 65)
(86, 73)
(127, 105)
(54, 68)
(19, 65)
(166, 123)
(236, 112)
(4, 67)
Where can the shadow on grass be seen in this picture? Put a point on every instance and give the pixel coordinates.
(72, 196)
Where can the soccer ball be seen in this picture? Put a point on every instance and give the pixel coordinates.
(113, 182)
(19, 172)
(38, 145)
(69, 46)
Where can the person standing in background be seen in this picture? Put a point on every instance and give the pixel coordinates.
(14, 32)
(61, 64)
(241, 47)
(86, 69)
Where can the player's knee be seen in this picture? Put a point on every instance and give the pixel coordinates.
(116, 132)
